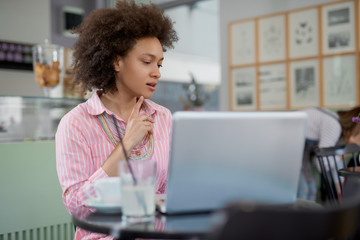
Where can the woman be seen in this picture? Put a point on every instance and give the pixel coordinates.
(350, 130)
(324, 129)
(118, 54)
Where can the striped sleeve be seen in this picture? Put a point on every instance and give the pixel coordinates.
(73, 156)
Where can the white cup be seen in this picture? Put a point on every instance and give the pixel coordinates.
(107, 191)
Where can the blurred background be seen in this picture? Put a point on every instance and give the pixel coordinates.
(198, 74)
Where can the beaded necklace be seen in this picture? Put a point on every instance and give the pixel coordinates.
(144, 150)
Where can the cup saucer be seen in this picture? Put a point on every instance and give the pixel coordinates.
(103, 207)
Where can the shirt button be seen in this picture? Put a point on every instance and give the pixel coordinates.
(138, 153)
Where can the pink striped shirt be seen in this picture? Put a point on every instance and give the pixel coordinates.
(82, 146)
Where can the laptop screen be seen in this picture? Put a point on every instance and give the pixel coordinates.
(219, 157)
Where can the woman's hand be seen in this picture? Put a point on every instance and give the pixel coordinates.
(138, 126)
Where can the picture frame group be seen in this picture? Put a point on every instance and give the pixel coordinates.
(295, 59)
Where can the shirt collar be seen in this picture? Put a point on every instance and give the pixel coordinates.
(96, 107)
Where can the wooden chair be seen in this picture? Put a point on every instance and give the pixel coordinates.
(336, 162)
(246, 221)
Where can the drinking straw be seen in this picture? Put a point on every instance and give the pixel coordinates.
(125, 154)
(141, 200)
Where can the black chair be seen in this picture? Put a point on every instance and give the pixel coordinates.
(329, 158)
(306, 221)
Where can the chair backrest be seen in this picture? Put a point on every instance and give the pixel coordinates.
(335, 160)
(306, 221)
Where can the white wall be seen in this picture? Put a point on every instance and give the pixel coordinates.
(230, 10)
(198, 48)
(26, 22)
(197, 29)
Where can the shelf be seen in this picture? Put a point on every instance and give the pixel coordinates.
(32, 118)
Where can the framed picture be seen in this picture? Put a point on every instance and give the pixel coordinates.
(242, 50)
(303, 33)
(304, 83)
(244, 88)
(339, 81)
(272, 38)
(273, 86)
(338, 27)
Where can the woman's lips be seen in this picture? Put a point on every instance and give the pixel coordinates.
(152, 86)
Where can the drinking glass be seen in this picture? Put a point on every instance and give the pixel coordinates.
(48, 65)
(138, 189)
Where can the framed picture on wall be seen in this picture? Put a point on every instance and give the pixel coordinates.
(272, 38)
(339, 81)
(242, 43)
(303, 33)
(272, 86)
(243, 88)
(338, 27)
(304, 83)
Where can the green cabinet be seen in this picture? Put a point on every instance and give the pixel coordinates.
(31, 197)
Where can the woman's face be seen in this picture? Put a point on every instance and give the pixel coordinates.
(138, 72)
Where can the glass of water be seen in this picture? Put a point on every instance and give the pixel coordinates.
(138, 189)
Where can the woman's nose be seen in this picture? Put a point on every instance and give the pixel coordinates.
(156, 73)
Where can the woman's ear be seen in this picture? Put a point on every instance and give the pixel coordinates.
(117, 64)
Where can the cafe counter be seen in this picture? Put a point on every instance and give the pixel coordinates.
(32, 118)
(31, 197)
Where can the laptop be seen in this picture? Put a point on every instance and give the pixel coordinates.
(220, 157)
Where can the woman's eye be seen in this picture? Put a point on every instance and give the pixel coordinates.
(159, 65)
(147, 62)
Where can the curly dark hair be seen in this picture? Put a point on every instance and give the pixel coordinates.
(349, 128)
(111, 32)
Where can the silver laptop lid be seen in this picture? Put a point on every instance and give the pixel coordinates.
(219, 157)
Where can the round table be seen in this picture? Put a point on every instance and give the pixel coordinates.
(185, 226)
(180, 226)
